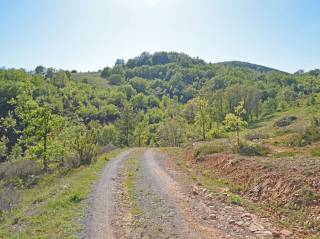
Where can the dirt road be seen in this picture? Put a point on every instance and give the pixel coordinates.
(142, 195)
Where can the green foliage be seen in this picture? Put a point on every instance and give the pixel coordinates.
(251, 149)
(22, 169)
(309, 196)
(205, 149)
(234, 122)
(108, 134)
(216, 132)
(256, 135)
(75, 198)
(160, 99)
(85, 147)
(235, 199)
(171, 133)
(115, 79)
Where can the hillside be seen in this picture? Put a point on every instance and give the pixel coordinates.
(246, 65)
(215, 121)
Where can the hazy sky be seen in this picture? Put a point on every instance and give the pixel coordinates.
(90, 34)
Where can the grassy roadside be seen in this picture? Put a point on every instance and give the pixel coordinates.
(54, 207)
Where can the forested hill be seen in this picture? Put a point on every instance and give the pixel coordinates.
(246, 65)
(160, 99)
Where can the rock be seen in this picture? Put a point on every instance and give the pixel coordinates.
(246, 216)
(276, 234)
(204, 190)
(255, 227)
(195, 191)
(263, 233)
(209, 204)
(239, 223)
(212, 207)
(208, 197)
(286, 232)
(232, 222)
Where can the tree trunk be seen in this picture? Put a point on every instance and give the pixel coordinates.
(238, 138)
(45, 159)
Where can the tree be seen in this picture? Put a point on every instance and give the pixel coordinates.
(119, 62)
(202, 118)
(85, 145)
(3, 148)
(40, 70)
(140, 132)
(139, 102)
(50, 72)
(108, 134)
(106, 72)
(139, 84)
(234, 122)
(171, 133)
(40, 127)
(115, 79)
(125, 123)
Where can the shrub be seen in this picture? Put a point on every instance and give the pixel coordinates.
(72, 162)
(252, 149)
(19, 169)
(75, 198)
(206, 149)
(235, 199)
(256, 135)
(298, 139)
(85, 147)
(309, 196)
(285, 121)
(216, 132)
(8, 198)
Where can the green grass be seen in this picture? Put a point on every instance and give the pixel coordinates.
(133, 167)
(235, 199)
(54, 207)
(284, 154)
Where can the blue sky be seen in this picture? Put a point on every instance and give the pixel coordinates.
(90, 34)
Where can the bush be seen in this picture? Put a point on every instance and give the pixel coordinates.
(309, 196)
(115, 79)
(285, 121)
(205, 149)
(252, 149)
(86, 148)
(298, 139)
(216, 132)
(75, 198)
(256, 135)
(72, 162)
(8, 198)
(22, 169)
(235, 199)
